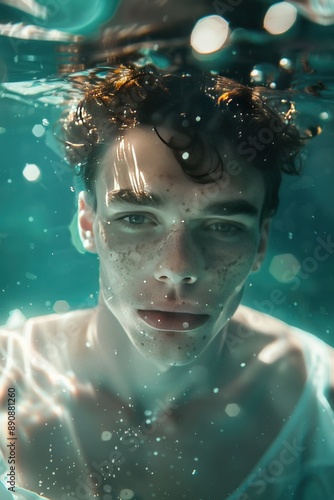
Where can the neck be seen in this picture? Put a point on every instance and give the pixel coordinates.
(127, 373)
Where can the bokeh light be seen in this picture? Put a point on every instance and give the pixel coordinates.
(232, 410)
(61, 306)
(279, 18)
(284, 267)
(264, 74)
(209, 34)
(106, 436)
(286, 64)
(126, 494)
(38, 130)
(31, 172)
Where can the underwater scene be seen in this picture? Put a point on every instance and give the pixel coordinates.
(43, 267)
(128, 239)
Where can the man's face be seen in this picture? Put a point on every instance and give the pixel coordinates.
(174, 254)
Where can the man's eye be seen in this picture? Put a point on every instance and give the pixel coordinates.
(135, 219)
(224, 227)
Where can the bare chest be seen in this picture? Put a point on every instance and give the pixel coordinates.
(201, 450)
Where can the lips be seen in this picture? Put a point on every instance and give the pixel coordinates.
(172, 321)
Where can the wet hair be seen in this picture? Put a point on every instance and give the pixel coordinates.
(204, 111)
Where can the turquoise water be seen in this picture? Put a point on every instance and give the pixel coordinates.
(42, 267)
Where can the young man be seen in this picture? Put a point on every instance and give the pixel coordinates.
(169, 388)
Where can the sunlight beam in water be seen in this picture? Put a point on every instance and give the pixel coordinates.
(68, 16)
(47, 390)
(29, 6)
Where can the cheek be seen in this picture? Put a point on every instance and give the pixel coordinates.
(230, 268)
(118, 258)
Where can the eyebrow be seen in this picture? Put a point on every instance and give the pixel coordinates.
(140, 198)
(148, 199)
(232, 207)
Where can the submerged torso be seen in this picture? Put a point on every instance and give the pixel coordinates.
(194, 451)
(84, 439)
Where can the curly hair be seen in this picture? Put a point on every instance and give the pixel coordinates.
(203, 111)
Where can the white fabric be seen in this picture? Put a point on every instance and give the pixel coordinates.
(300, 463)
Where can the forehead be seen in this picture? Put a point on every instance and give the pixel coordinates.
(140, 161)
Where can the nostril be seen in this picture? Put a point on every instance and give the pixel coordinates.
(174, 276)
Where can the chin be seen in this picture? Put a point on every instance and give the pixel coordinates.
(167, 349)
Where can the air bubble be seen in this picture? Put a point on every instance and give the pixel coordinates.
(106, 436)
(185, 325)
(286, 64)
(126, 494)
(232, 410)
(38, 130)
(324, 115)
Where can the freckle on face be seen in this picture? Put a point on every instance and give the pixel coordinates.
(127, 261)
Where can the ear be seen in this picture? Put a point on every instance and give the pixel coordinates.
(86, 217)
(263, 244)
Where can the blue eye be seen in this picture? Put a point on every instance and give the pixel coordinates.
(135, 219)
(224, 228)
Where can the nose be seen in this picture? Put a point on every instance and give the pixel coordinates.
(179, 260)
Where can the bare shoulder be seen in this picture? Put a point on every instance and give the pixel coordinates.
(274, 352)
(266, 337)
(56, 332)
(277, 345)
(44, 341)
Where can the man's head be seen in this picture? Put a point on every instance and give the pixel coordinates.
(203, 110)
(175, 206)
